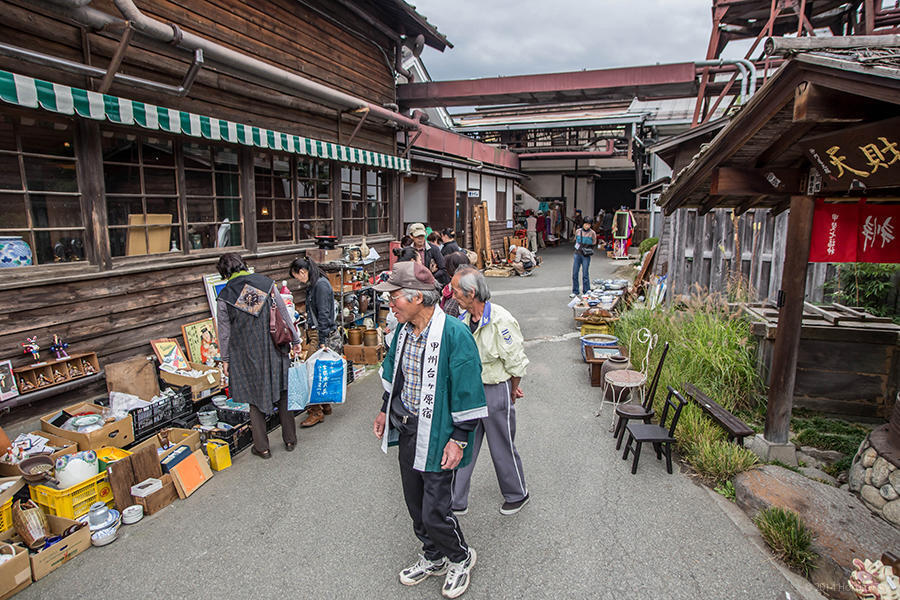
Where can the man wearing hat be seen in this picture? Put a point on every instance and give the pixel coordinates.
(433, 399)
(429, 253)
(523, 259)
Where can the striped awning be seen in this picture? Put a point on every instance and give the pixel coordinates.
(36, 93)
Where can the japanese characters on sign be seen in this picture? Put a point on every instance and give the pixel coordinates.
(855, 232)
(868, 155)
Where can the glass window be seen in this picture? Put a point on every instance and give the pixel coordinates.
(364, 201)
(274, 203)
(314, 200)
(141, 194)
(39, 197)
(212, 196)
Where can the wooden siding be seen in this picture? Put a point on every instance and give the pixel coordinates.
(118, 314)
(281, 32)
(699, 250)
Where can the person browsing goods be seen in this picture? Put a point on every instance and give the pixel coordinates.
(433, 398)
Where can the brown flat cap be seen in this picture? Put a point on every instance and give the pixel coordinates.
(408, 275)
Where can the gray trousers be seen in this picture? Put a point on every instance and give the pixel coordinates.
(500, 428)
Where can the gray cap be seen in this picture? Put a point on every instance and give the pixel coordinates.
(408, 275)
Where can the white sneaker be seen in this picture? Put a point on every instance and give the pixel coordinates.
(572, 295)
(457, 581)
(422, 570)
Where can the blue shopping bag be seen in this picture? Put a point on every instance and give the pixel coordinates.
(298, 386)
(327, 372)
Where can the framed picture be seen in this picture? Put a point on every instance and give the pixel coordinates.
(213, 285)
(201, 341)
(169, 354)
(8, 387)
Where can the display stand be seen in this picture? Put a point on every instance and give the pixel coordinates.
(345, 280)
(50, 373)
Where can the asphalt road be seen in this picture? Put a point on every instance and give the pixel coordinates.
(328, 520)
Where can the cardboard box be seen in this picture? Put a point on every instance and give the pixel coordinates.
(15, 574)
(117, 434)
(46, 561)
(177, 437)
(320, 256)
(336, 280)
(201, 387)
(11, 490)
(161, 498)
(68, 447)
(364, 355)
(190, 473)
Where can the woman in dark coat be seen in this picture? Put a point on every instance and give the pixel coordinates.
(256, 368)
(450, 245)
(319, 318)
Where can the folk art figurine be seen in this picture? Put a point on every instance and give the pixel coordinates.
(87, 366)
(42, 380)
(31, 346)
(58, 347)
(25, 385)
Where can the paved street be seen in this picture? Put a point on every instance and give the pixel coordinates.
(328, 521)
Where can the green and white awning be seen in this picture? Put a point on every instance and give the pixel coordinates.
(35, 93)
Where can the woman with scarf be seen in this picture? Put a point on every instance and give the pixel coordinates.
(256, 368)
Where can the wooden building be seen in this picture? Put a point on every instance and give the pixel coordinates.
(139, 142)
(820, 137)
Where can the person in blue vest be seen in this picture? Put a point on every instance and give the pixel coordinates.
(585, 244)
(432, 401)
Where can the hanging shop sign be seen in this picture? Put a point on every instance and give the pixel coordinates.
(855, 232)
(36, 93)
(859, 158)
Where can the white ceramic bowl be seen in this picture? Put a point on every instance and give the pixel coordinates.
(132, 514)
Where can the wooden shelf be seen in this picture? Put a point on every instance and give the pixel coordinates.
(51, 373)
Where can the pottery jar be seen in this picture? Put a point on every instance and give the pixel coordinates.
(616, 362)
(354, 336)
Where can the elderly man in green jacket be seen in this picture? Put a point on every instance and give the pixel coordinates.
(433, 398)
(503, 363)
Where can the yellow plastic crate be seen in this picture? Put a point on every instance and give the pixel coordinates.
(587, 328)
(74, 501)
(6, 515)
(108, 455)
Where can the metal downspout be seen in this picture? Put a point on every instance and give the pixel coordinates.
(172, 34)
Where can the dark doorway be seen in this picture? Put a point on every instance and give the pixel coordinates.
(613, 190)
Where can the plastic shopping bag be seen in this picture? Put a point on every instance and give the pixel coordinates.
(298, 386)
(327, 371)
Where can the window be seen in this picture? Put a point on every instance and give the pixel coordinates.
(141, 194)
(274, 202)
(314, 198)
(279, 205)
(364, 201)
(212, 195)
(39, 197)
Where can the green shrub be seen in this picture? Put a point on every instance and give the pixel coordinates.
(788, 538)
(829, 434)
(726, 488)
(720, 460)
(647, 244)
(873, 287)
(711, 347)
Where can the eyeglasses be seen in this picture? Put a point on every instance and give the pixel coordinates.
(395, 298)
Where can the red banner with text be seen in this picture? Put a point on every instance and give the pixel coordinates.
(855, 232)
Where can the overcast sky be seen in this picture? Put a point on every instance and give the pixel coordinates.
(514, 37)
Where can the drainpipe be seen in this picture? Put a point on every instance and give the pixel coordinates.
(747, 64)
(172, 34)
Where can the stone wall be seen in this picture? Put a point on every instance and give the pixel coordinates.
(876, 478)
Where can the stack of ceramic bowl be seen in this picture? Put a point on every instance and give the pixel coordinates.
(104, 523)
(132, 514)
(208, 418)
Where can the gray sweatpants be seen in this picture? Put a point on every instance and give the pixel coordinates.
(500, 428)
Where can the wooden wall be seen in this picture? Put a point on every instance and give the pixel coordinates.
(281, 32)
(700, 250)
(117, 315)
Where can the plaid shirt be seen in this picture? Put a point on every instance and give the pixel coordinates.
(411, 364)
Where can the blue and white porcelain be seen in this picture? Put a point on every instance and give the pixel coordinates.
(15, 252)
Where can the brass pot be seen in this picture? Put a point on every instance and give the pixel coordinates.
(370, 338)
(355, 336)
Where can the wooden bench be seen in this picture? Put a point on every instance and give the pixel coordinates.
(737, 429)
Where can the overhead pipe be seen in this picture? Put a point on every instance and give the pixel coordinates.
(77, 68)
(747, 64)
(171, 33)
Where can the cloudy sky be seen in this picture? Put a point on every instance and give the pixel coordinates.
(514, 37)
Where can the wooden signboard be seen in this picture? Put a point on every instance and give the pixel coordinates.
(868, 154)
